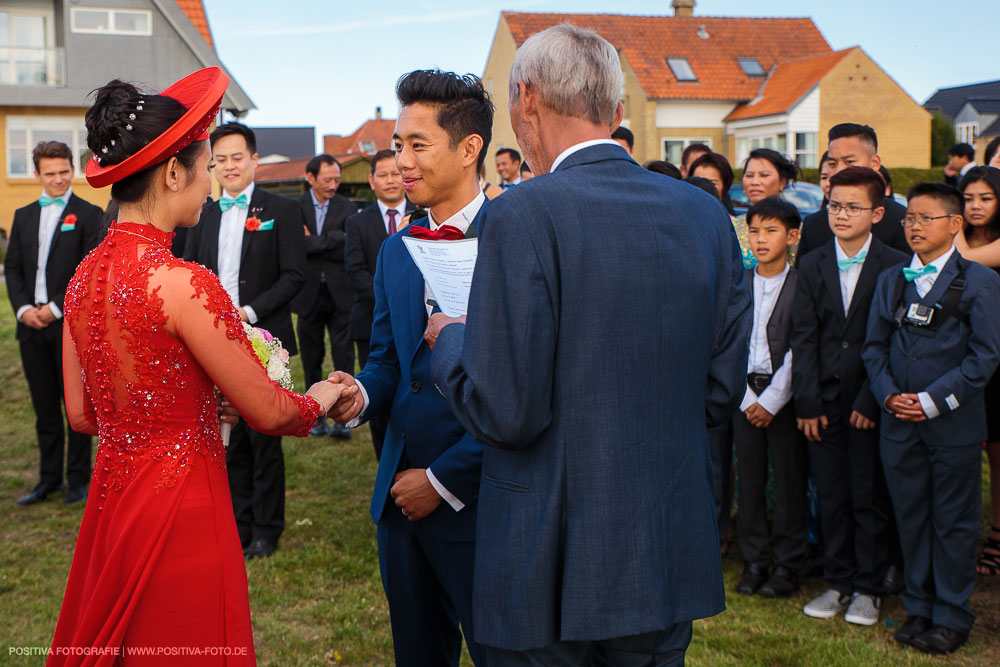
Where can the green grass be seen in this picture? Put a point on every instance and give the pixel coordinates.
(319, 601)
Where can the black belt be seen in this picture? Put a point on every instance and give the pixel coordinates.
(758, 382)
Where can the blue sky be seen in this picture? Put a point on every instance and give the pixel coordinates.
(329, 64)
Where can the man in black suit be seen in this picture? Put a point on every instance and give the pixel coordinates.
(48, 239)
(253, 240)
(854, 145)
(365, 233)
(324, 303)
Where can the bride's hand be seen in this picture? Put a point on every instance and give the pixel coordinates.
(328, 393)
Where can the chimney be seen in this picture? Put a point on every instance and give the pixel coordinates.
(378, 113)
(683, 7)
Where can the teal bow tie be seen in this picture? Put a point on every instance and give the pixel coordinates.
(845, 264)
(44, 201)
(913, 274)
(227, 203)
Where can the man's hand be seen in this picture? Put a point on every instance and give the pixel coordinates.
(906, 407)
(758, 416)
(348, 406)
(811, 427)
(32, 318)
(860, 422)
(243, 315)
(306, 227)
(437, 322)
(413, 493)
(46, 315)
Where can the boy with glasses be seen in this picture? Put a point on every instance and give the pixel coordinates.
(933, 342)
(834, 405)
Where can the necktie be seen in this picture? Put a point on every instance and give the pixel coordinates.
(845, 264)
(442, 233)
(392, 213)
(227, 203)
(913, 274)
(44, 201)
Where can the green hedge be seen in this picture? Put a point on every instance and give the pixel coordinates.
(903, 178)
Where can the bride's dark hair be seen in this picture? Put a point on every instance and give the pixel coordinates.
(121, 121)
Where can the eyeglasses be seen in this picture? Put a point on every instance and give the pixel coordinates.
(910, 222)
(852, 209)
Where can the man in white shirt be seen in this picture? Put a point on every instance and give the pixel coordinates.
(508, 167)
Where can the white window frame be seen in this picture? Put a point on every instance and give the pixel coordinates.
(967, 133)
(681, 62)
(687, 141)
(112, 29)
(37, 129)
(801, 154)
(744, 144)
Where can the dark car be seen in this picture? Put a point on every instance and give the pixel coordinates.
(806, 197)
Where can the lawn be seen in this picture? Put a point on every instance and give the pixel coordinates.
(318, 600)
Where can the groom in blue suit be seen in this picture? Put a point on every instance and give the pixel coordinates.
(607, 327)
(427, 484)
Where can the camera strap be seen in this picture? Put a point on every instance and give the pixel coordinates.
(947, 307)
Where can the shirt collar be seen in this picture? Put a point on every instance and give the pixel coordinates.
(383, 207)
(316, 201)
(966, 169)
(65, 197)
(864, 249)
(780, 276)
(516, 181)
(463, 218)
(248, 192)
(939, 263)
(580, 146)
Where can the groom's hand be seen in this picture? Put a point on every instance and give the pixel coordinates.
(413, 493)
(437, 322)
(348, 406)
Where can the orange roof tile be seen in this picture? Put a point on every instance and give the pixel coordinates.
(378, 131)
(787, 84)
(647, 42)
(195, 11)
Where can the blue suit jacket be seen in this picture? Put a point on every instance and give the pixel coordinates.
(422, 431)
(609, 313)
(956, 363)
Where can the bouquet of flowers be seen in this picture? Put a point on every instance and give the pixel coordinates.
(273, 357)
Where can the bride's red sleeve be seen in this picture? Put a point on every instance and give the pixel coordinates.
(79, 408)
(201, 314)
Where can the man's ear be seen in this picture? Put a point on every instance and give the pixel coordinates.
(793, 236)
(877, 214)
(472, 145)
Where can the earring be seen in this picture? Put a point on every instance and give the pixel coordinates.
(174, 186)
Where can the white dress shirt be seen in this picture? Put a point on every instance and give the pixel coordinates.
(779, 392)
(231, 229)
(965, 170)
(48, 227)
(461, 220)
(849, 278)
(400, 209)
(580, 146)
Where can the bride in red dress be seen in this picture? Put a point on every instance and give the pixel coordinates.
(158, 573)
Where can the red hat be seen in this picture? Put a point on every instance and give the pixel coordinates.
(201, 93)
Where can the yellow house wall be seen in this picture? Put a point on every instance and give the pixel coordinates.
(495, 77)
(857, 91)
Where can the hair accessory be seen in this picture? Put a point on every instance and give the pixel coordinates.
(131, 116)
(138, 107)
(104, 149)
(112, 142)
(129, 127)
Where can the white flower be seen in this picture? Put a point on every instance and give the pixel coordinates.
(275, 369)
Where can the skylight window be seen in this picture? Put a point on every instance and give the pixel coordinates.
(681, 69)
(751, 67)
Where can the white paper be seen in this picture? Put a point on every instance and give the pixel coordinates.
(447, 266)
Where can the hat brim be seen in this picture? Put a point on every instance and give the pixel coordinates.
(201, 93)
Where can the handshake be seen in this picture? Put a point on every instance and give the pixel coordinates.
(350, 402)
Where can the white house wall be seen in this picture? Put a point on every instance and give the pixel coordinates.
(804, 116)
(684, 114)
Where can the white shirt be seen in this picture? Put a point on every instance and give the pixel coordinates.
(400, 209)
(48, 227)
(516, 181)
(580, 146)
(779, 392)
(849, 278)
(965, 169)
(461, 220)
(231, 230)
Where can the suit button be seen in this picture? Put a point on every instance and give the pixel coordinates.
(845, 345)
(414, 387)
(913, 357)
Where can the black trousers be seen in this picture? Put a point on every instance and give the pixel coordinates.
(41, 356)
(378, 423)
(256, 468)
(788, 536)
(662, 648)
(324, 319)
(854, 506)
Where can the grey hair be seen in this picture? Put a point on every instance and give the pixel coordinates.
(576, 72)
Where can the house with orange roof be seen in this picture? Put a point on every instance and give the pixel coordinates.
(53, 53)
(733, 83)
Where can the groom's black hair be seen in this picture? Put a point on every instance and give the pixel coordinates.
(464, 106)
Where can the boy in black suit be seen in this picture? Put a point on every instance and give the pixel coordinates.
(933, 342)
(254, 241)
(833, 402)
(767, 422)
(48, 239)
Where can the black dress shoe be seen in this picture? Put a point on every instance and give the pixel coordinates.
(892, 582)
(76, 494)
(914, 625)
(939, 640)
(782, 583)
(753, 577)
(259, 549)
(39, 493)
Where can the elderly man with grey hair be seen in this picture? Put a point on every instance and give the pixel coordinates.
(607, 328)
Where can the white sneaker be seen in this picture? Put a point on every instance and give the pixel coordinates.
(827, 605)
(863, 610)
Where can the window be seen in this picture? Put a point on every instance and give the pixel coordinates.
(23, 56)
(805, 150)
(673, 149)
(94, 20)
(777, 142)
(24, 133)
(681, 69)
(751, 66)
(967, 132)
(367, 146)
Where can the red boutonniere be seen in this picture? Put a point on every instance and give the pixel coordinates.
(253, 224)
(442, 233)
(70, 220)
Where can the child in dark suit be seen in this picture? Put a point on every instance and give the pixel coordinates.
(833, 403)
(767, 422)
(933, 343)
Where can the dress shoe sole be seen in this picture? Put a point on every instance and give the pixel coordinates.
(769, 593)
(745, 591)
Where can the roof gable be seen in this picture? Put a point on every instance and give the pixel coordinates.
(377, 131)
(951, 100)
(985, 105)
(787, 84)
(647, 42)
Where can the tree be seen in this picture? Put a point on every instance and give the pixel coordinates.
(942, 138)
